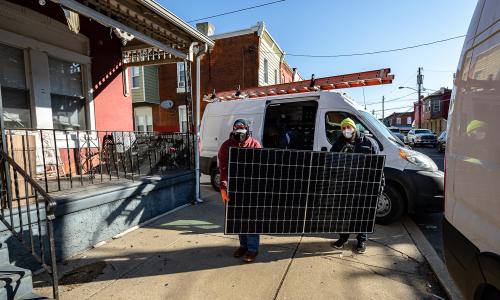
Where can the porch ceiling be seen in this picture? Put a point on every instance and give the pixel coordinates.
(162, 36)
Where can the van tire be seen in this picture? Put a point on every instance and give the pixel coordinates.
(396, 205)
(215, 178)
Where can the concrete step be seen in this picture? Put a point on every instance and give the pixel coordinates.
(4, 254)
(32, 296)
(15, 282)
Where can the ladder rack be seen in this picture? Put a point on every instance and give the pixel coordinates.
(368, 78)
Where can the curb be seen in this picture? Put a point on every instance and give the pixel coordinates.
(435, 262)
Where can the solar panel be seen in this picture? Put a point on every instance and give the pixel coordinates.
(275, 191)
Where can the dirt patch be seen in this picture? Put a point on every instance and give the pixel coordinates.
(83, 274)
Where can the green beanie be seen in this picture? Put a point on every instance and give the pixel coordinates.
(348, 121)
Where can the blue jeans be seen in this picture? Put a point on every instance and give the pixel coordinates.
(250, 242)
(361, 237)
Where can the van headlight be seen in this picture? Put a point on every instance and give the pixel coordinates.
(418, 159)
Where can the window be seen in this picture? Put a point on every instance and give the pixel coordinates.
(332, 124)
(143, 119)
(67, 99)
(183, 126)
(398, 121)
(408, 121)
(135, 77)
(181, 77)
(275, 76)
(15, 94)
(436, 105)
(283, 79)
(266, 71)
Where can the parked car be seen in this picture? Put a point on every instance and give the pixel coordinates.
(421, 137)
(413, 181)
(398, 134)
(441, 142)
(471, 226)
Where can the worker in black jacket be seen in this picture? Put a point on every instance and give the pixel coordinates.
(353, 141)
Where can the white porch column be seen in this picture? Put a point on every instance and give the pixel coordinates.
(40, 85)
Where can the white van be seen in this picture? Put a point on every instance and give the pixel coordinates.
(471, 227)
(413, 182)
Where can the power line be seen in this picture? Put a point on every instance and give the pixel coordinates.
(372, 52)
(400, 100)
(393, 99)
(235, 11)
(395, 108)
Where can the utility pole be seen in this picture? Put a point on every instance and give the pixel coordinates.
(383, 108)
(373, 112)
(420, 82)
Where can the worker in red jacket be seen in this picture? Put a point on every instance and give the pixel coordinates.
(239, 138)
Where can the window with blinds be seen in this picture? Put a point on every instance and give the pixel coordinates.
(15, 92)
(68, 100)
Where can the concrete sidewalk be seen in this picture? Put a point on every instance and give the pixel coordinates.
(185, 255)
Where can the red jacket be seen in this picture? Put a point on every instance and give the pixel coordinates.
(224, 153)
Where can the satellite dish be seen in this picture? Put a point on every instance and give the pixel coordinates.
(167, 104)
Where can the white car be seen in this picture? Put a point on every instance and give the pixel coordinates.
(421, 137)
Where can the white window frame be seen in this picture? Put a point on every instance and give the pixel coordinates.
(408, 120)
(132, 75)
(434, 106)
(266, 71)
(276, 76)
(181, 88)
(398, 121)
(182, 117)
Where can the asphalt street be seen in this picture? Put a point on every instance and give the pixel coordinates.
(430, 223)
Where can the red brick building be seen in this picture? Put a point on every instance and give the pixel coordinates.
(244, 58)
(396, 119)
(434, 110)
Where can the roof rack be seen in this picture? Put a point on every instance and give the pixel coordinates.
(368, 78)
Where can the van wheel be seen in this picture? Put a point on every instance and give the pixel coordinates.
(215, 179)
(390, 206)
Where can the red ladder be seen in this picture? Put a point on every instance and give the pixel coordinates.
(368, 78)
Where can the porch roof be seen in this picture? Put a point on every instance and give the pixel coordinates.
(159, 35)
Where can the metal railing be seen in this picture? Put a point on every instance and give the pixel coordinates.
(64, 159)
(28, 213)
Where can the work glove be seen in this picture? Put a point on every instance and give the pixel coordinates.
(223, 185)
(225, 196)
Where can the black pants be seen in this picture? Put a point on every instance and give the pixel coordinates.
(361, 237)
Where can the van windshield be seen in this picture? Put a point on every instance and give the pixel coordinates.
(382, 128)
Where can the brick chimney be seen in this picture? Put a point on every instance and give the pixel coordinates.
(206, 28)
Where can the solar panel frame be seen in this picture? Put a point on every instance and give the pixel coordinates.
(302, 215)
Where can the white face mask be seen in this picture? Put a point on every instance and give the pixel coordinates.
(348, 133)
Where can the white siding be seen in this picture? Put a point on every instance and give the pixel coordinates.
(273, 55)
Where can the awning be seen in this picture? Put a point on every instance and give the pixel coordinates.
(159, 35)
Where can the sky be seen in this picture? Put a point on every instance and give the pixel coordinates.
(330, 27)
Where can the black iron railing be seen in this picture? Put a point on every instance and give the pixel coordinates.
(27, 211)
(63, 159)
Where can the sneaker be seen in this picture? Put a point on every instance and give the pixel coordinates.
(239, 252)
(250, 256)
(339, 244)
(361, 247)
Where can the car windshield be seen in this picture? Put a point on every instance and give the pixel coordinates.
(420, 131)
(382, 128)
(395, 130)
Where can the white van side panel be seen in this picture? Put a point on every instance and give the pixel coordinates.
(472, 157)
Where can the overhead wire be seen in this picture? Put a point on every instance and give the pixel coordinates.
(371, 52)
(236, 11)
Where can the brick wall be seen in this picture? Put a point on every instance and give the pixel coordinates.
(233, 61)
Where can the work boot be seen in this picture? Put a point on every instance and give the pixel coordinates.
(250, 256)
(339, 244)
(361, 247)
(239, 252)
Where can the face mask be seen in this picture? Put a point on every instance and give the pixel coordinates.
(240, 136)
(348, 133)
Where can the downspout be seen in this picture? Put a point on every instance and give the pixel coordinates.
(202, 50)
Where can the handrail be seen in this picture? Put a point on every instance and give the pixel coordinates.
(50, 203)
(50, 206)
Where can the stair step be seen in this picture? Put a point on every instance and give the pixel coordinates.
(15, 282)
(33, 296)
(4, 254)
